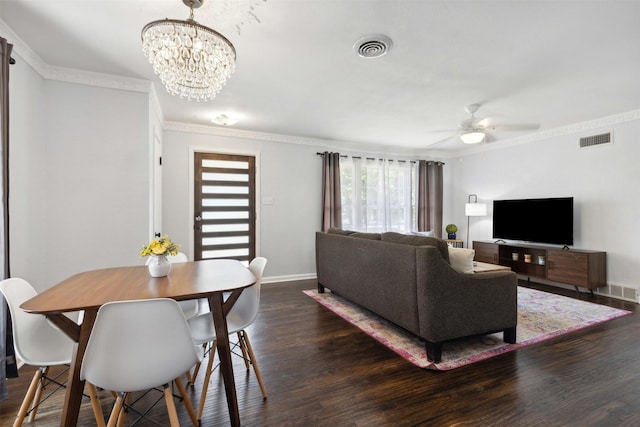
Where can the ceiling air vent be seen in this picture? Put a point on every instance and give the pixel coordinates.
(590, 141)
(373, 46)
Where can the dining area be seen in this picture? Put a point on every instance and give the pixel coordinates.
(130, 331)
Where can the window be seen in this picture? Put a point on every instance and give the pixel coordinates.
(378, 195)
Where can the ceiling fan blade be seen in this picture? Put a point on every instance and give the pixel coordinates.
(483, 123)
(441, 130)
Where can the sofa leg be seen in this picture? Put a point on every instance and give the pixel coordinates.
(509, 335)
(434, 351)
(320, 288)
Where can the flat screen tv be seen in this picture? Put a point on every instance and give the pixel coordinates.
(547, 220)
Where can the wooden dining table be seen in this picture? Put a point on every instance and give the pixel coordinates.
(88, 291)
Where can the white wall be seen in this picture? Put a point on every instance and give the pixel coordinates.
(81, 170)
(27, 202)
(288, 173)
(602, 179)
(79, 196)
(81, 193)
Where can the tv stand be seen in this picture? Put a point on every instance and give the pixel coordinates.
(577, 267)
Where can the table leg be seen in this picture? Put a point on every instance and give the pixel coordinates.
(224, 354)
(75, 387)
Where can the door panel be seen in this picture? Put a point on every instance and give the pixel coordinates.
(224, 223)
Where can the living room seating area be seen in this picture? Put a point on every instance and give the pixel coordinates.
(408, 280)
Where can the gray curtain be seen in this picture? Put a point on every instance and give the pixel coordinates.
(331, 202)
(430, 196)
(7, 359)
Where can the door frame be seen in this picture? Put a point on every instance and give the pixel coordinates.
(156, 186)
(239, 152)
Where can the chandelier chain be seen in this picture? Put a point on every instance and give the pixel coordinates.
(191, 18)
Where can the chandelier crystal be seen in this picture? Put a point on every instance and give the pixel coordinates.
(192, 61)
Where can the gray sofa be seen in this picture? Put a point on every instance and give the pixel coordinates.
(408, 280)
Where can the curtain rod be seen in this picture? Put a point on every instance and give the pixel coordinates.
(391, 160)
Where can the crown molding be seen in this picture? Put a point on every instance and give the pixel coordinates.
(91, 78)
(332, 145)
(70, 75)
(581, 127)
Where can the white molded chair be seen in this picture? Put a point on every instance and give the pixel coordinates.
(189, 307)
(37, 343)
(139, 345)
(242, 314)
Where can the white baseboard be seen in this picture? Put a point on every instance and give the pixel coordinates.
(290, 278)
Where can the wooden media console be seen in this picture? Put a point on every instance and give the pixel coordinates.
(577, 267)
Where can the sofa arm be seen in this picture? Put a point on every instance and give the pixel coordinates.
(453, 305)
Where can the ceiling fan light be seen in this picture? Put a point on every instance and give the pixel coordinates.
(472, 137)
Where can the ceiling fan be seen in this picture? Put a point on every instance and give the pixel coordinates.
(475, 130)
(472, 130)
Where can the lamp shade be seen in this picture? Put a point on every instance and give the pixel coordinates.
(472, 137)
(475, 209)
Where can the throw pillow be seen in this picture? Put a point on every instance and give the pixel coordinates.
(429, 233)
(461, 259)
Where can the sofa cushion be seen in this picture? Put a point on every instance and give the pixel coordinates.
(407, 239)
(340, 231)
(461, 259)
(370, 236)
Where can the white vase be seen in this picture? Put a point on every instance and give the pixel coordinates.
(159, 266)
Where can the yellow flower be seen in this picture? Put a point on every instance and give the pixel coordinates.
(160, 247)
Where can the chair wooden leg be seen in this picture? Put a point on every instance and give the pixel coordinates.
(126, 399)
(35, 401)
(254, 362)
(243, 347)
(95, 404)
(171, 407)
(116, 412)
(187, 401)
(28, 398)
(207, 377)
(196, 369)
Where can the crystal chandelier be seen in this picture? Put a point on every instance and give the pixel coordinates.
(192, 61)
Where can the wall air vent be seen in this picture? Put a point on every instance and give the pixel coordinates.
(590, 141)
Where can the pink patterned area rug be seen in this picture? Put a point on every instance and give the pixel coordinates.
(541, 315)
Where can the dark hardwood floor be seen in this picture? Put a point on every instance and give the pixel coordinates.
(321, 371)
